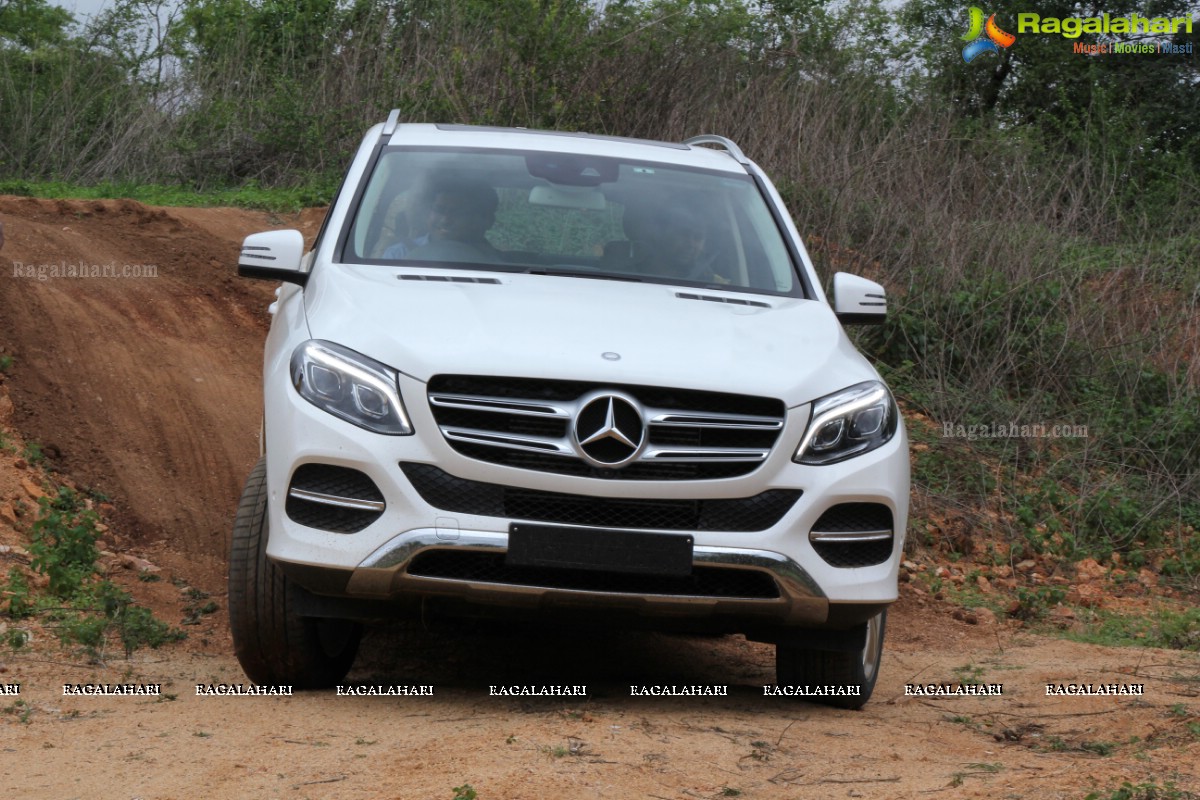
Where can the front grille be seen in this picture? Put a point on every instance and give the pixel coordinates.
(335, 499)
(449, 493)
(526, 424)
(851, 518)
(482, 567)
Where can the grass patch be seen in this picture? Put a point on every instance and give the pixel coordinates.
(249, 195)
(19, 709)
(969, 675)
(1144, 791)
(198, 606)
(33, 453)
(1099, 748)
(1164, 627)
(973, 770)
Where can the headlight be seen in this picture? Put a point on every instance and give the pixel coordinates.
(351, 386)
(848, 423)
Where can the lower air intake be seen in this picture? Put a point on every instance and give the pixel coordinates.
(491, 568)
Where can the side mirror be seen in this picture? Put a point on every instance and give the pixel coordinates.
(857, 300)
(273, 256)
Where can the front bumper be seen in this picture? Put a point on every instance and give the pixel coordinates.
(377, 564)
(386, 574)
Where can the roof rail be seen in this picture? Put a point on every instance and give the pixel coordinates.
(393, 120)
(730, 147)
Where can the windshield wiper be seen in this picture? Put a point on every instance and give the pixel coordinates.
(570, 273)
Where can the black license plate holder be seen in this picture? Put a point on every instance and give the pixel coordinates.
(629, 552)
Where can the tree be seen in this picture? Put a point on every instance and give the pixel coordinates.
(1136, 114)
(30, 24)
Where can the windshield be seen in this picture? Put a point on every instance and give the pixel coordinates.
(570, 214)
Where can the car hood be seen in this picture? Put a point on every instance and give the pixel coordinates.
(429, 322)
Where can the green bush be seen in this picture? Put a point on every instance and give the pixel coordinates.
(16, 589)
(82, 609)
(64, 543)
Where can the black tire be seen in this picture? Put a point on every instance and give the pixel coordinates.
(275, 646)
(801, 666)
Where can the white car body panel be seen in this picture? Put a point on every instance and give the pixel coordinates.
(790, 349)
(557, 327)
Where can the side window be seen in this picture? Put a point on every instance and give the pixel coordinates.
(380, 220)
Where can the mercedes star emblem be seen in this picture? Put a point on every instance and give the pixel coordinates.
(609, 430)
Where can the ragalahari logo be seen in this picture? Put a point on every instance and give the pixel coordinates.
(995, 40)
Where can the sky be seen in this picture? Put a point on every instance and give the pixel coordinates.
(86, 8)
(81, 8)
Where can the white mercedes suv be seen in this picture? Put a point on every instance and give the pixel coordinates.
(550, 373)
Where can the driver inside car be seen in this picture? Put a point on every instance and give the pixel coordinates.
(680, 249)
(462, 211)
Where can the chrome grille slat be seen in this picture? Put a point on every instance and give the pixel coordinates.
(705, 454)
(722, 421)
(689, 434)
(535, 444)
(500, 406)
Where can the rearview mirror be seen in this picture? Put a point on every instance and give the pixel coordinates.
(584, 198)
(273, 256)
(857, 300)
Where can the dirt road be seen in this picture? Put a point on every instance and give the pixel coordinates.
(146, 389)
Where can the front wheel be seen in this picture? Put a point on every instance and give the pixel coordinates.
(274, 645)
(825, 670)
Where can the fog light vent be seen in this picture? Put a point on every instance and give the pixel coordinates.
(854, 535)
(335, 499)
